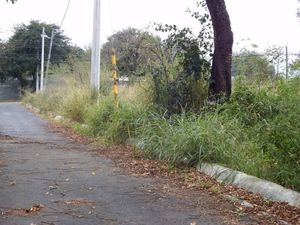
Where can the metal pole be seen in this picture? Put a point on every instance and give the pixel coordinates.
(37, 80)
(95, 64)
(37, 83)
(49, 57)
(42, 59)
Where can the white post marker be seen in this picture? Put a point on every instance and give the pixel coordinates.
(95, 60)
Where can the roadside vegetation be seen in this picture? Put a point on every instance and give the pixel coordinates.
(257, 131)
(165, 109)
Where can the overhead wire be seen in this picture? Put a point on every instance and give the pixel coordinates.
(65, 14)
(20, 45)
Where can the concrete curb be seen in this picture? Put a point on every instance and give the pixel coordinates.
(267, 189)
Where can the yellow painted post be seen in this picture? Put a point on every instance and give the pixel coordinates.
(114, 75)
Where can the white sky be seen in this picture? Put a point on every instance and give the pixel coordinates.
(265, 22)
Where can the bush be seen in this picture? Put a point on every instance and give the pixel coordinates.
(48, 101)
(76, 103)
(114, 124)
(256, 132)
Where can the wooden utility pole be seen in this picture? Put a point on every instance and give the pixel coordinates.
(95, 64)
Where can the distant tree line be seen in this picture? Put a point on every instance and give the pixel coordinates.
(20, 54)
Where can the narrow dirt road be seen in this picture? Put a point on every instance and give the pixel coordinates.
(47, 179)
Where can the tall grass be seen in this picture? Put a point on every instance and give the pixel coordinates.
(257, 131)
(49, 101)
(114, 124)
(209, 138)
(66, 100)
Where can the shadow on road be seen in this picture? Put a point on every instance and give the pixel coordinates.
(9, 91)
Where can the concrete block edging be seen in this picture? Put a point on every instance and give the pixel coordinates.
(267, 189)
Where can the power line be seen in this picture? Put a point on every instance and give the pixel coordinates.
(64, 17)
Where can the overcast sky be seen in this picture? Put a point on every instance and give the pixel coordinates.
(265, 22)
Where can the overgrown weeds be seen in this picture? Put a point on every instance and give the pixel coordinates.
(115, 124)
(257, 131)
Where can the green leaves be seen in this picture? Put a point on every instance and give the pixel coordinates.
(252, 65)
(180, 80)
(21, 53)
(134, 51)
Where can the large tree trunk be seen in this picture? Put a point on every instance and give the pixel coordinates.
(223, 40)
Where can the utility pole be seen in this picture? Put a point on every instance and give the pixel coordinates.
(286, 62)
(37, 82)
(95, 64)
(43, 35)
(49, 56)
(37, 79)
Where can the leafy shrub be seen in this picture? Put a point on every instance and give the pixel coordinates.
(256, 132)
(48, 101)
(115, 124)
(99, 117)
(76, 103)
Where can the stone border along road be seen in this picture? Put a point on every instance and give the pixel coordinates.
(268, 190)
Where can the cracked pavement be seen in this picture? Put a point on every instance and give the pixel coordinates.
(48, 179)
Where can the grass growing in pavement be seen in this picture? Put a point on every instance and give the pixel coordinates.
(257, 131)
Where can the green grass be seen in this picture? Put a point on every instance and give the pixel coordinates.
(115, 124)
(257, 132)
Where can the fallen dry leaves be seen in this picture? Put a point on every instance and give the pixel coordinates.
(23, 211)
(185, 180)
(5, 137)
(189, 179)
(68, 132)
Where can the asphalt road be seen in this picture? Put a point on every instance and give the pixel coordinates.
(9, 91)
(62, 183)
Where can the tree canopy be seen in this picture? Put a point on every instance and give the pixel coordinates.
(132, 50)
(21, 53)
(252, 65)
(181, 74)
